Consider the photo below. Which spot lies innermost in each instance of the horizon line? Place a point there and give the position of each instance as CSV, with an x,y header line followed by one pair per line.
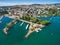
x,y
12,4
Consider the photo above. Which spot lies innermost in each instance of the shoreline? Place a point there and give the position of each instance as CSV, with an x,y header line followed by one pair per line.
x,y
34,27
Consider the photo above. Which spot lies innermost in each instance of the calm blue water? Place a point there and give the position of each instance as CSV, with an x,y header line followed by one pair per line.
x,y
50,35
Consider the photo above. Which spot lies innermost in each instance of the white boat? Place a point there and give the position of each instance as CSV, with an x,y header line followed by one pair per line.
x,y
27,26
21,24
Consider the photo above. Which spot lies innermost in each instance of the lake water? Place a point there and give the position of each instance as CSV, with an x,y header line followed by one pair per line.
x,y
50,35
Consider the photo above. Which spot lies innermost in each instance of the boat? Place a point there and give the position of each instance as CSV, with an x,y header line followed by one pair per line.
x,y
21,24
27,26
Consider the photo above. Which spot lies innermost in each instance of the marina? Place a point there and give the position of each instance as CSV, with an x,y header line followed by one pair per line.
x,y
29,22
35,38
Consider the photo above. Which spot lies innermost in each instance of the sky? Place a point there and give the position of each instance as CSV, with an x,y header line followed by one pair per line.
x,y
26,2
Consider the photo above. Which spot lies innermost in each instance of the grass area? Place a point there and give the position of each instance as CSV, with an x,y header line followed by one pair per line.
x,y
35,20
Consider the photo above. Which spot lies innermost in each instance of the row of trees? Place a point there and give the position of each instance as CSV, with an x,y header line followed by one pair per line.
x,y
3,12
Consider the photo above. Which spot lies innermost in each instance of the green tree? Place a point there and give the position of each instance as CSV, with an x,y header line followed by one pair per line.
x,y
45,22
32,19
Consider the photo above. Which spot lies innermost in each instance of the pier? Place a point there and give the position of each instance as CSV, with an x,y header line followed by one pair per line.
x,y
9,25
29,32
34,28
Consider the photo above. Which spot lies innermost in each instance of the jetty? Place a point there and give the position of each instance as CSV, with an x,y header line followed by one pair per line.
x,y
29,32
9,25
34,28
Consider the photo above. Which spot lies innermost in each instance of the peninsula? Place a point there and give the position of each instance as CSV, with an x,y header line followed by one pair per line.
x,y
29,14
35,24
